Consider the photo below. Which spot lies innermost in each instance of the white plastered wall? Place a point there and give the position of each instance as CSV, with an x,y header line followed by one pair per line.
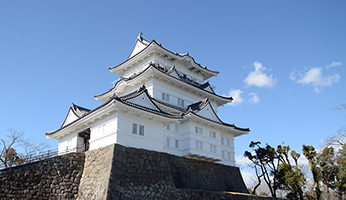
x,y
153,132
173,135
103,132
68,144
228,148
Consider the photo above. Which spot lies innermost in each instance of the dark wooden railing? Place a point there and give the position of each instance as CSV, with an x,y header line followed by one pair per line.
x,y
45,155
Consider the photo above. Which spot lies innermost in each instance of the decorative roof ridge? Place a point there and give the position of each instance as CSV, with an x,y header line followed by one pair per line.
x,y
130,58
153,41
195,107
79,110
141,40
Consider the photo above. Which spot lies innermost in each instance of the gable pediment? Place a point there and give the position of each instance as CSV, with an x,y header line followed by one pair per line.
x,y
139,46
208,112
144,101
71,116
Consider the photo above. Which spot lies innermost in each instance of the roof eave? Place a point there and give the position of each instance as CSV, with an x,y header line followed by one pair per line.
x,y
234,129
207,73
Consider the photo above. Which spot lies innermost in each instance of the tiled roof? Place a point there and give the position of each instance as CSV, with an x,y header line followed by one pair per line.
x,y
78,110
153,42
138,92
168,72
198,106
124,100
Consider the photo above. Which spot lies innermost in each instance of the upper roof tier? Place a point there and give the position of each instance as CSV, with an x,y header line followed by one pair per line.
x,y
169,75
144,49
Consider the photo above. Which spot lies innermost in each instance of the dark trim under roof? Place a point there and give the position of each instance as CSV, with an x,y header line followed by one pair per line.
x,y
124,101
166,73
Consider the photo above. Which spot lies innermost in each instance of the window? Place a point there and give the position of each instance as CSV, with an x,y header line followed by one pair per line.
x,y
213,148
199,145
165,96
228,142
222,141
176,143
180,102
212,134
134,128
168,127
176,128
141,130
168,142
226,155
198,130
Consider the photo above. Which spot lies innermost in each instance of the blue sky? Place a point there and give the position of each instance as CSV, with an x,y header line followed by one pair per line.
x,y
283,61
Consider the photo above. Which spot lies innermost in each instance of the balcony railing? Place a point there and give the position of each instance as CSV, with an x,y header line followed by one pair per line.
x,y
42,156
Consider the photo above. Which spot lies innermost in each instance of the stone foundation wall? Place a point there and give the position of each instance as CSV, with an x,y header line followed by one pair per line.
x,y
54,178
194,174
118,172
144,174
95,178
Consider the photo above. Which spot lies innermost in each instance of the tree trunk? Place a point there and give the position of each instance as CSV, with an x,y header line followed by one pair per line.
x,y
327,191
318,192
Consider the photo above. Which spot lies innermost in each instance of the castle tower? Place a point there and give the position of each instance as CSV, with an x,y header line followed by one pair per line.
x,y
162,102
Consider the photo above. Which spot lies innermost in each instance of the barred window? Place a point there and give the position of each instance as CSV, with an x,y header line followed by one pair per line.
x,y
141,130
134,128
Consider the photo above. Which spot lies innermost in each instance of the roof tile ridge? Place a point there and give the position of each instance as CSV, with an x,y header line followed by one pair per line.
x,y
138,92
123,79
168,105
160,112
134,94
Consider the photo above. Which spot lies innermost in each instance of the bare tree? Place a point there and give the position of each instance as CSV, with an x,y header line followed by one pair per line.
x,y
340,137
17,150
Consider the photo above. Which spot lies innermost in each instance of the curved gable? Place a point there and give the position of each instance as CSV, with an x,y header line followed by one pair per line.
x,y
74,113
144,100
71,116
139,46
208,112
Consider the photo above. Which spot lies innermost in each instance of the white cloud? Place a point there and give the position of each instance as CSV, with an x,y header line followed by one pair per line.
x,y
333,64
236,95
242,161
259,78
254,98
314,77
